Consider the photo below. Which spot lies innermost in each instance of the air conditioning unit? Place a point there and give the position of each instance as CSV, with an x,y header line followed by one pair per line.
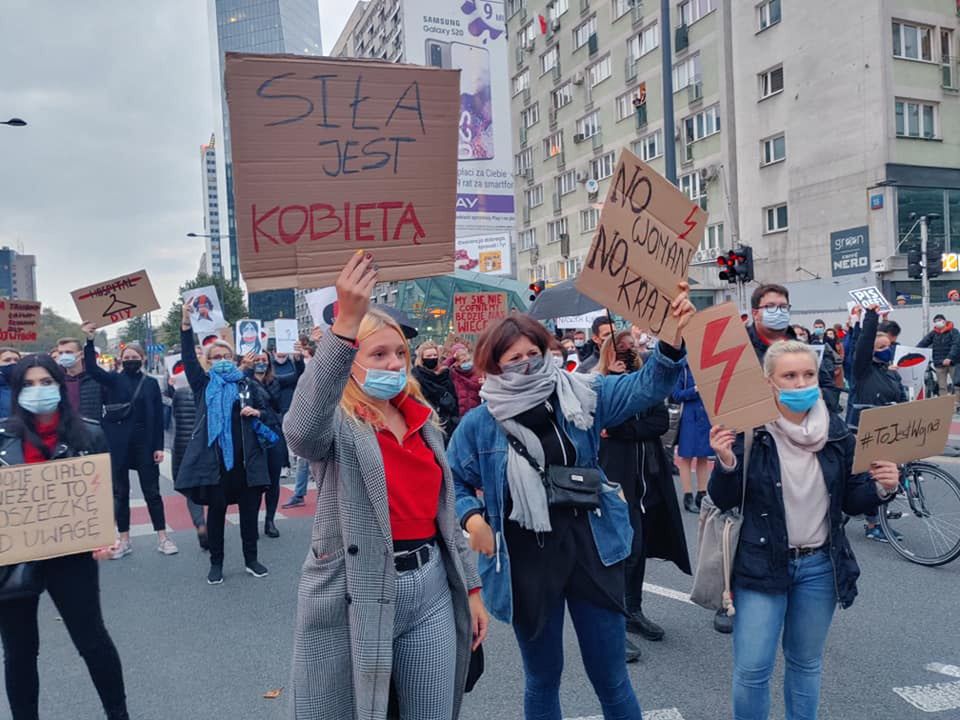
x,y
582,176
579,138
578,78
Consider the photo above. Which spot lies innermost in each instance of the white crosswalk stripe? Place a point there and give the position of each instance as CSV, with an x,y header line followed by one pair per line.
x,y
939,697
668,714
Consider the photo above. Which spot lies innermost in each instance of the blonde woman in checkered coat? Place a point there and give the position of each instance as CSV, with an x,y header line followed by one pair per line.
x,y
389,590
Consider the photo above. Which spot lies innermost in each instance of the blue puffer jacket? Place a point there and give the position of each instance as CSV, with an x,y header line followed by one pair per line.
x,y
478,459
762,556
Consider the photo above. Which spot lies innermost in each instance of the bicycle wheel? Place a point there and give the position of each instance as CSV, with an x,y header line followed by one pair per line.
x,y
922,522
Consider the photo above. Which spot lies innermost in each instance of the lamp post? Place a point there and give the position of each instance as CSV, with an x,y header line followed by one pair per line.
x,y
14,122
212,236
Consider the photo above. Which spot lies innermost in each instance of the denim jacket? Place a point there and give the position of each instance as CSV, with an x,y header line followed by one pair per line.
x,y
478,458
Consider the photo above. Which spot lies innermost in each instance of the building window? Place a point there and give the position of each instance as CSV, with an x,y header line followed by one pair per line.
x,y
775,218
555,229
773,150
600,71
693,10
916,119
590,125
589,219
534,196
694,186
530,116
536,273
768,13
553,145
567,182
563,95
521,82
549,60
912,42
771,82
558,8
567,269
686,72
625,106
643,42
583,31
527,239
523,161
712,242
603,166
622,7
649,146
702,124
528,34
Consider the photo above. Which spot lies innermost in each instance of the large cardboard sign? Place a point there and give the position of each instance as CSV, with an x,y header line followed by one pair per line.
x,y
206,313
116,300
904,432
19,320
647,235
472,312
334,155
865,297
724,364
55,508
912,363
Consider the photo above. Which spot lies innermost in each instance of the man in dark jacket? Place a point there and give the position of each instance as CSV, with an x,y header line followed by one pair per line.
x,y
85,394
944,339
8,358
770,307
602,329
184,418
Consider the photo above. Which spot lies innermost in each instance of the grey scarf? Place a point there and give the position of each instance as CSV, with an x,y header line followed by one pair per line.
x,y
512,394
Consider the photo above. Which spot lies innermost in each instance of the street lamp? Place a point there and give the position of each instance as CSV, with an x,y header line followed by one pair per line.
x,y
201,235
14,122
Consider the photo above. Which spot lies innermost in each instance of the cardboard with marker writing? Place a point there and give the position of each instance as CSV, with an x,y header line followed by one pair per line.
x,y
333,155
472,312
646,238
56,508
725,366
19,321
903,432
116,300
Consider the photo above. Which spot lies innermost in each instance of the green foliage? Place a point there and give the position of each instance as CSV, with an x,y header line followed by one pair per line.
x,y
53,327
231,300
134,331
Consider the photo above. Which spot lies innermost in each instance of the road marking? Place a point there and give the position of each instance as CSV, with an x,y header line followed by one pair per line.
x,y
668,593
669,714
932,698
949,670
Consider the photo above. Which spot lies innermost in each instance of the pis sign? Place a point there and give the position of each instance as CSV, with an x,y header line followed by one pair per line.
x,y
850,251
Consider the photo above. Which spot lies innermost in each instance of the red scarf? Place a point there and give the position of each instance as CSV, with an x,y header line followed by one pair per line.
x,y
48,436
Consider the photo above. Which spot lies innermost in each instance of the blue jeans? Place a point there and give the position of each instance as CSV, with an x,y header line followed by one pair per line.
x,y
303,478
601,634
803,615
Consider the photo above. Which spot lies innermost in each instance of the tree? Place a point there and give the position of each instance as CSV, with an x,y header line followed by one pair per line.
x,y
231,300
135,330
52,327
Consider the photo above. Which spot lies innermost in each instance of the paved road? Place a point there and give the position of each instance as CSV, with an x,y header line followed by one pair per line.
x,y
194,651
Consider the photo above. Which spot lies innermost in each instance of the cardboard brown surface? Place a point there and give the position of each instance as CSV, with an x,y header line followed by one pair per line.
x,y
647,235
335,155
472,312
725,366
903,432
55,508
19,320
116,300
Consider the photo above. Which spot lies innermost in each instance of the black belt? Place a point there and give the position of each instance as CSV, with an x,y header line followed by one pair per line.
x,y
414,559
796,553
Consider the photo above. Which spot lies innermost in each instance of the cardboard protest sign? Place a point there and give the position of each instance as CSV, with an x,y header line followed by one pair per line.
x,y
899,433
116,300
55,508
250,337
578,322
472,312
19,320
724,364
912,364
206,314
865,297
286,335
333,155
323,306
646,238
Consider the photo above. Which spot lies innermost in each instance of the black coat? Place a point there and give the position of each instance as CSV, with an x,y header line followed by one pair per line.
x,y
184,418
200,467
945,345
633,455
147,410
874,382
762,561
439,391
759,346
91,396
287,375
826,376
11,444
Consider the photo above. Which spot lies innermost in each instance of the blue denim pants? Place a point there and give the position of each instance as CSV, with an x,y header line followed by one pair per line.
x,y
303,478
802,616
601,634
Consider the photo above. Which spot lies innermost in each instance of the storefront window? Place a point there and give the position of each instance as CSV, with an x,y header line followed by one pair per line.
x,y
914,202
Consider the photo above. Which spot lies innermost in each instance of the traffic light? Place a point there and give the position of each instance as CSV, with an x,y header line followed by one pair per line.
x,y
744,263
914,266
934,257
536,288
727,265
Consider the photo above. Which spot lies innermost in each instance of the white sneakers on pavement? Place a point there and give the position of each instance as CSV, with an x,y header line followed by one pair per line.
x,y
121,550
167,547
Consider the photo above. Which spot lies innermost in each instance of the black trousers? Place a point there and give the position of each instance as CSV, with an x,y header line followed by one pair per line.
x,y
136,457
636,565
277,457
248,501
73,584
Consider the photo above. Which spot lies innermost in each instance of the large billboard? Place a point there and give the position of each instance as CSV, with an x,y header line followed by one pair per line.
x,y
471,36
484,254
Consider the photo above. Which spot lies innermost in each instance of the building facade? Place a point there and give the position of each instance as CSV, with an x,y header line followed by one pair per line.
x,y
212,256
18,275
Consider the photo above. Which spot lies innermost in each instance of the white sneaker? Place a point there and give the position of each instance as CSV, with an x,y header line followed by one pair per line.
x,y
121,550
166,547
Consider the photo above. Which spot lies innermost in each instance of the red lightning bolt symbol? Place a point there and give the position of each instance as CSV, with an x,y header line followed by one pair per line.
x,y
710,358
689,222
95,483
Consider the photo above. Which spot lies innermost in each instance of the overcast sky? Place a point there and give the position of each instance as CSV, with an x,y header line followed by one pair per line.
x,y
106,178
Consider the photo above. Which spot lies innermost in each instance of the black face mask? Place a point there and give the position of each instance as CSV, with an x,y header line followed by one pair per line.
x,y
132,366
430,363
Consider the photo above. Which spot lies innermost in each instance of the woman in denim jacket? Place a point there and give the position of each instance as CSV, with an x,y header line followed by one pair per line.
x,y
535,560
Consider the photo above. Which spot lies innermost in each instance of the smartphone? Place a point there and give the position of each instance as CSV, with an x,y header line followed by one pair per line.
x,y
476,102
438,54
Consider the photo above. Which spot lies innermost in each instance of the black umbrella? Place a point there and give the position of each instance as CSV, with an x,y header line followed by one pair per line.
x,y
562,300
401,318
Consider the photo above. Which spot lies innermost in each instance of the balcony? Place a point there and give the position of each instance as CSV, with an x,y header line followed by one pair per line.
x,y
682,38
695,92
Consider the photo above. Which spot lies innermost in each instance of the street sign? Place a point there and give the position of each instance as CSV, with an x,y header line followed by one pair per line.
x,y
850,251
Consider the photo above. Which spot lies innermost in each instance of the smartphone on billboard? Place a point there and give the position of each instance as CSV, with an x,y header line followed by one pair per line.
x,y
476,101
438,54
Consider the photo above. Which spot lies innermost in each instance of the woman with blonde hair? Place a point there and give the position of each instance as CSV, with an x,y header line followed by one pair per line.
x,y
389,589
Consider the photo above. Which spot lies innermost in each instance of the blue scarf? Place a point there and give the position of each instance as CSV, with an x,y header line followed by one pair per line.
x,y
222,393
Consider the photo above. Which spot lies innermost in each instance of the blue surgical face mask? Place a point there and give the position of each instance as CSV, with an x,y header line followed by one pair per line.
x,y
819,331
222,367
384,384
260,368
39,399
885,356
799,400
775,318
466,366
67,359
529,366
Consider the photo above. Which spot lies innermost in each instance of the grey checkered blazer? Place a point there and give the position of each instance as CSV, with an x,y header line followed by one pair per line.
x,y
343,645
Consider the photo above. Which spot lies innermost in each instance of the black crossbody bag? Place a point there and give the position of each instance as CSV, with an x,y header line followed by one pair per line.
x,y
115,412
571,487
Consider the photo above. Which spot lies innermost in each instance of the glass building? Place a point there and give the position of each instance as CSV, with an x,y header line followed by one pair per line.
x,y
259,26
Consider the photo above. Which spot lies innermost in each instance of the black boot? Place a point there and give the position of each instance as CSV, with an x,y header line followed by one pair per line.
x,y
689,504
639,624
699,499
633,652
270,529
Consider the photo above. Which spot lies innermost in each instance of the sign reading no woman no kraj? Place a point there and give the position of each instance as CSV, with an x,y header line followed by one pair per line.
x,y
331,156
647,235
55,508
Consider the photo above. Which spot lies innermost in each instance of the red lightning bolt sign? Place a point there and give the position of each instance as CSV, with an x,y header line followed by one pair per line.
x,y
709,357
689,222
